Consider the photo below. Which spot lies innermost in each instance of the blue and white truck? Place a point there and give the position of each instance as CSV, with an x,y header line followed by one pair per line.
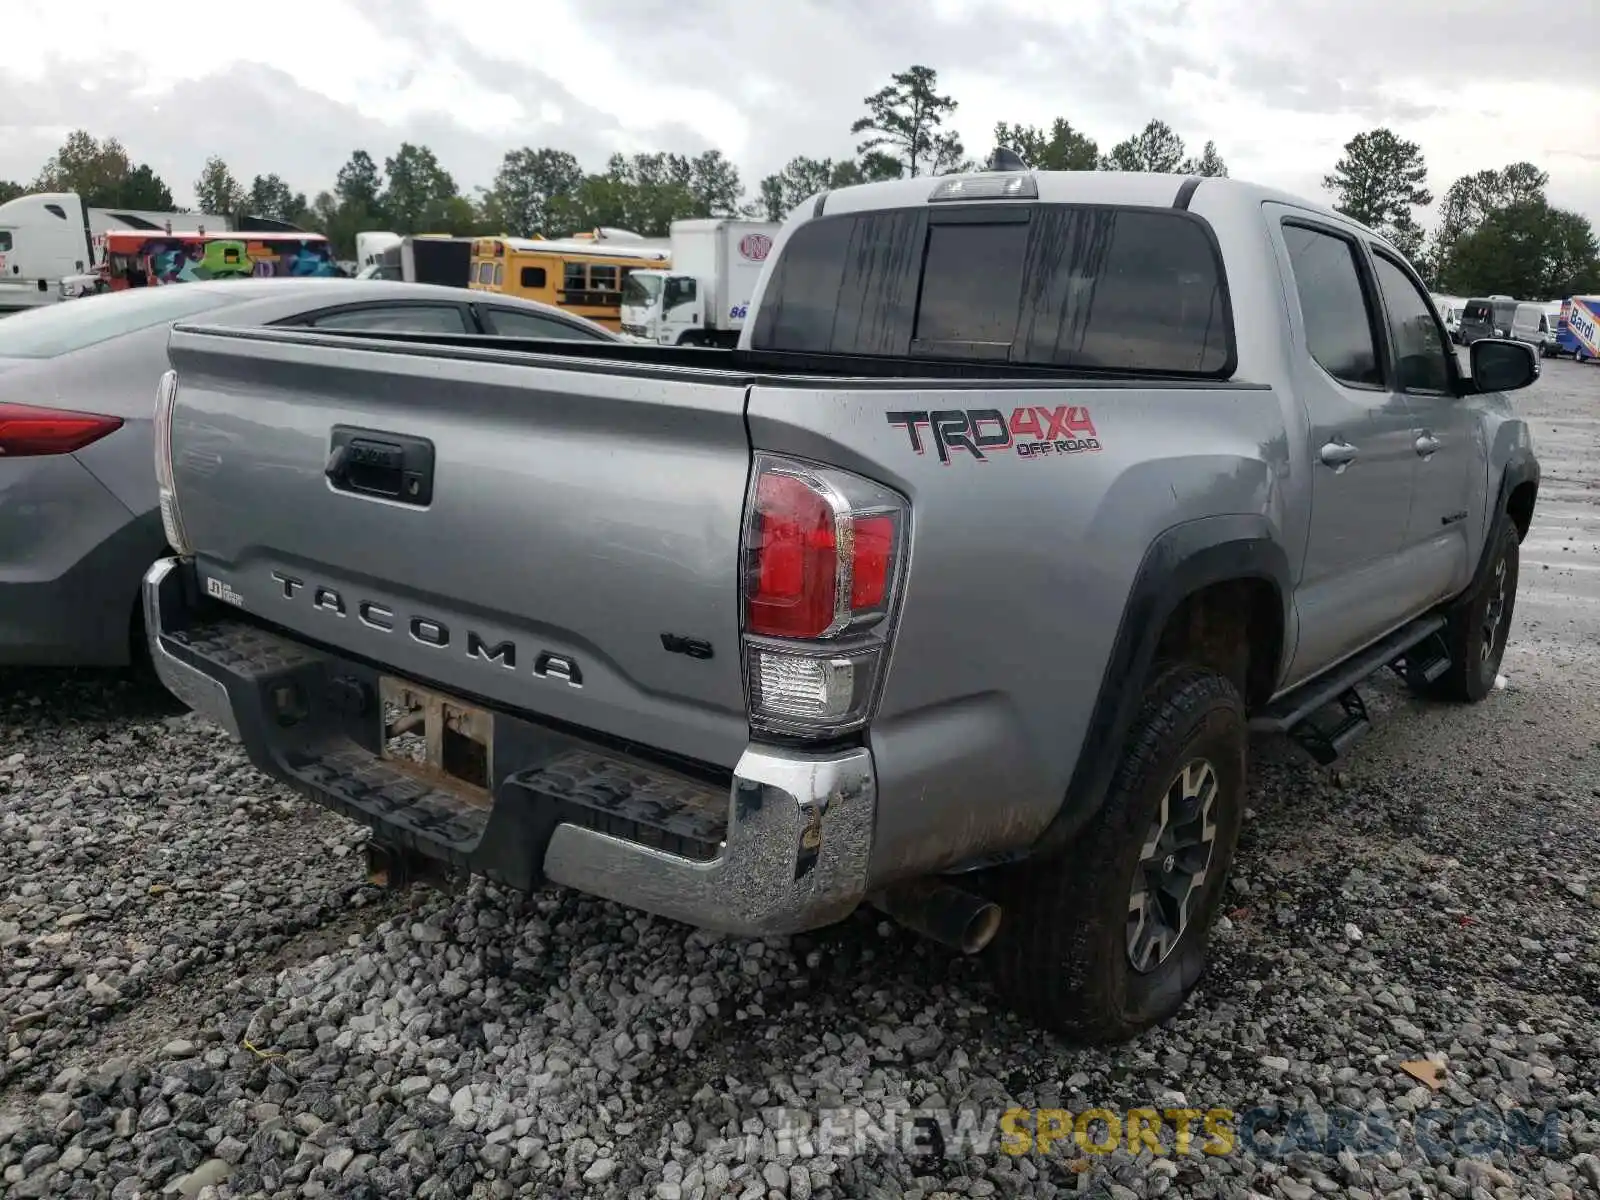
x,y
1579,331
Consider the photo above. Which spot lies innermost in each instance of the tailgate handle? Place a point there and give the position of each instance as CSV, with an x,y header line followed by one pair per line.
x,y
390,466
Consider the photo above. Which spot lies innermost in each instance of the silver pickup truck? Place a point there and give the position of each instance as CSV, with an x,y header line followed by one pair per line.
x,y
956,589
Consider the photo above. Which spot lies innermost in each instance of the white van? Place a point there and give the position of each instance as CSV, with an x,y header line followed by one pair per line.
x,y
1449,308
1528,324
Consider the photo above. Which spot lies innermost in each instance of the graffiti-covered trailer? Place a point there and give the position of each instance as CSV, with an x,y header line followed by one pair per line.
x,y
138,259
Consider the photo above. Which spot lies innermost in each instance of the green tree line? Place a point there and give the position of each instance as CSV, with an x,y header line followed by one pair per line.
x,y
1496,230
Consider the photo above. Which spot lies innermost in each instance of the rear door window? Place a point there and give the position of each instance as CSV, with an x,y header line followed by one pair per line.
x,y
398,318
1047,285
510,322
1340,332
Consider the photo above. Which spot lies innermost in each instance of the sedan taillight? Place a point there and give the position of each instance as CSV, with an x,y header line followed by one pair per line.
x,y
30,432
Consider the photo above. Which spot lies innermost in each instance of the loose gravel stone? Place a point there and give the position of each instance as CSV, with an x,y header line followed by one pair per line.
x,y
201,997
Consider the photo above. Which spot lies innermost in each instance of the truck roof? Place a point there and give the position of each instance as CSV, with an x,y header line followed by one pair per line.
x,y
1142,188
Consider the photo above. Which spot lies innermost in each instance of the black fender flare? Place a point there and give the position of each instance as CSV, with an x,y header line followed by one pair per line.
x,y
1521,467
1180,562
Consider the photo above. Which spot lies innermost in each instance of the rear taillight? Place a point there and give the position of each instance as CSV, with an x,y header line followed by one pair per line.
x,y
29,432
171,519
823,552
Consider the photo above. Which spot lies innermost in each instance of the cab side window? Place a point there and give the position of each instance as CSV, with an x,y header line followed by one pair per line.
x,y
1419,347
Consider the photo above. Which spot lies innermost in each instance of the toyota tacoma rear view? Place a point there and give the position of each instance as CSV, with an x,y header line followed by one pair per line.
x,y
956,589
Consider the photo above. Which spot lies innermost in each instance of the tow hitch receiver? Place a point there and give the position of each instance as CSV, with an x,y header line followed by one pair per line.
x,y
438,738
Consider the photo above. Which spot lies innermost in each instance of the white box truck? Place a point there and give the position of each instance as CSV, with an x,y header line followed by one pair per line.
x,y
701,299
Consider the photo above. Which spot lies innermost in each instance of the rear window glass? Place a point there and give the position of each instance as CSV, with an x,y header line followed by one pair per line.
x,y
1475,312
70,325
971,283
1064,285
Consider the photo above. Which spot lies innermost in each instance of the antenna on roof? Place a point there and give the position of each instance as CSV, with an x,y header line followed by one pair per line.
x,y
1005,158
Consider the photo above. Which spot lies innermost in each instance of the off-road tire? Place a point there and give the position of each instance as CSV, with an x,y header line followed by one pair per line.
x,y
1061,956
1472,674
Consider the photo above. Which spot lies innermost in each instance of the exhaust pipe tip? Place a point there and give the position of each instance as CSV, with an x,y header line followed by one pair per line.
x,y
981,928
942,912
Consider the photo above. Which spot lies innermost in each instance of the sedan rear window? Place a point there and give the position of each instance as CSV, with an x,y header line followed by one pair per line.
x,y
70,325
1077,286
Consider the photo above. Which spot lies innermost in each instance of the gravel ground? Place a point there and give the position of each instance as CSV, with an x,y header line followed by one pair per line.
x,y
201,997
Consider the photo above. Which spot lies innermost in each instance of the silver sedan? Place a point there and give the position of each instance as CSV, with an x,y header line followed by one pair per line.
x,y
79,522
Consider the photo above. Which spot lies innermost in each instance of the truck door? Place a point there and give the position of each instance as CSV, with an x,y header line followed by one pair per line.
x,y
1360,458
1443,504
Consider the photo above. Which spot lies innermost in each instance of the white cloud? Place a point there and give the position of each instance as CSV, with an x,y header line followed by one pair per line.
x,y
1278,87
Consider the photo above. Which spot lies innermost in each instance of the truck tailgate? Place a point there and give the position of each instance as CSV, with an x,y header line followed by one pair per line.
x,y
577,558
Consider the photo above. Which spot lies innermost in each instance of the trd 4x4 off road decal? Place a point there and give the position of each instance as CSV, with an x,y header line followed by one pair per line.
x,y
1035,432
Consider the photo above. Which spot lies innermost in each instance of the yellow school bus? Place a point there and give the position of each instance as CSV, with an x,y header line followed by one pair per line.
x,y
581,274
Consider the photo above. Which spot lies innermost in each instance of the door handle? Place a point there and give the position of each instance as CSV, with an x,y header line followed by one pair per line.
x,y
392,466
1426,444
1338,455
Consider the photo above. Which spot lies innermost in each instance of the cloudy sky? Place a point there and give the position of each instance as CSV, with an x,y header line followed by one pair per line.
x,y
295,85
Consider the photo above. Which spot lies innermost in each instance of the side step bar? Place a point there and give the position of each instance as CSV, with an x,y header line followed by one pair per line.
x,y
1416,652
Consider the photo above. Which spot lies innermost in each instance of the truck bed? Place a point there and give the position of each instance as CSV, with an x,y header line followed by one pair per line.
x,y
748,366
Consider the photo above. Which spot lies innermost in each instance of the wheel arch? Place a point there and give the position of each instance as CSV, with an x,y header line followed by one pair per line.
x,y
1190,573
1519,491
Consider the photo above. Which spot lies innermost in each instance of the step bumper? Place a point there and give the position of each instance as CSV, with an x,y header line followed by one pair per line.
x,y
782,846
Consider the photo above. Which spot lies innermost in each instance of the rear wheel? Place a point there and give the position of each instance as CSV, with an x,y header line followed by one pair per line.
x,y
1110,937
1480,621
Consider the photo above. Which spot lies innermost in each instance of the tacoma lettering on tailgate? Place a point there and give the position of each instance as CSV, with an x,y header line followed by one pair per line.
x,y
429,631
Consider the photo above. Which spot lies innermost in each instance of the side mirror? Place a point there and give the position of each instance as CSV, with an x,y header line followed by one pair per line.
x,y
1502,366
